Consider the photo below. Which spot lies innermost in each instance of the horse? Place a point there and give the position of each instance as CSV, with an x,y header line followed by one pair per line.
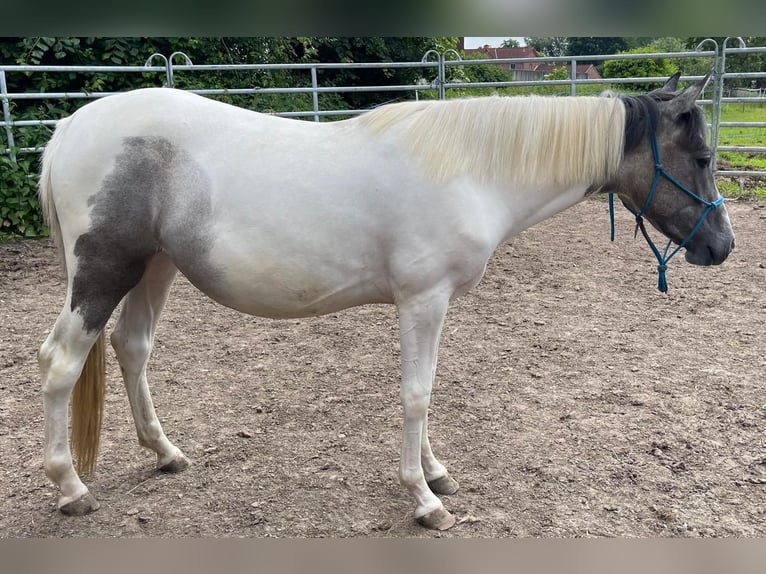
x,y
283,218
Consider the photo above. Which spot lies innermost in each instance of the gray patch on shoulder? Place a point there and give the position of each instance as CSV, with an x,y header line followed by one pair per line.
x,y
156,190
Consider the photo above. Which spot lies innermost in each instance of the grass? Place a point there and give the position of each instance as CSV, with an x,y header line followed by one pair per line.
x,y
743,136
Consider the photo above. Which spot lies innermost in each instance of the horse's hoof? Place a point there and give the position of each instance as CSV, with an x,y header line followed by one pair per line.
x,y
443,485
179,463
438,519
80,506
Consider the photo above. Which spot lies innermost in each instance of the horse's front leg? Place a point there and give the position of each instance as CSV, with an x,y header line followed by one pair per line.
x,y
420,323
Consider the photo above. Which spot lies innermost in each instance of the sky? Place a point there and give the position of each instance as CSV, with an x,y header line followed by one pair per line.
x,y
491,41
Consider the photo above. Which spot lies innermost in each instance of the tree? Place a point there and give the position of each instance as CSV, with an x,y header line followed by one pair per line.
x,y
639,68
738,62
510,43
19,209
687,66
485,72
558,74
595,45
374,49
222,50
552,46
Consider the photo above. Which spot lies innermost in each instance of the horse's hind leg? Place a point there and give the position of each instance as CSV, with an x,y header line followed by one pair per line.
x,y
61,358
132,340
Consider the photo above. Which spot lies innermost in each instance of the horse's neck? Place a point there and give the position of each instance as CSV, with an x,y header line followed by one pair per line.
x,y
511,211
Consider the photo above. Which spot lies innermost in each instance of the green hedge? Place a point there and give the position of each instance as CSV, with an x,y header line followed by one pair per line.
x,y
19,206
643,68
19,212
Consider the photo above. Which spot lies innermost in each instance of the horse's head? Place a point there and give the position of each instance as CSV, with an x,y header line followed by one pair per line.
x,y
666,173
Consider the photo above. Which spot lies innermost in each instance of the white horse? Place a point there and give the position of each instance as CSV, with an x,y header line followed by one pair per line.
x,y
284,218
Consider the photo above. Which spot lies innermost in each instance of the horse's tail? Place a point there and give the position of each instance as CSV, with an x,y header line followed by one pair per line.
x,y
45,188
88,394
88,408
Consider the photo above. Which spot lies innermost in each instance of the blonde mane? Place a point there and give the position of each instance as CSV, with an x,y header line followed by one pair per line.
x,y
520,140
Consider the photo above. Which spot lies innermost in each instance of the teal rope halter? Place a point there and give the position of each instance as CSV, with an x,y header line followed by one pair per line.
x,y
663,258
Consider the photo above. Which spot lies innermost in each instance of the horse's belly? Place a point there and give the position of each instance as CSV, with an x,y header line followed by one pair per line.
x,y
286,289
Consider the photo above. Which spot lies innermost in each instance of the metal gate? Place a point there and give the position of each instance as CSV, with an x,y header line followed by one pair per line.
x,y
433,63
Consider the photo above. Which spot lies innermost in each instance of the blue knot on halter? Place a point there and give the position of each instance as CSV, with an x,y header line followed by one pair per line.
x,y
662,282
663,258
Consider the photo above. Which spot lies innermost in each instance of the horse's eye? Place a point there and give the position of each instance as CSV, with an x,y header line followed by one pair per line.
x,y
703,162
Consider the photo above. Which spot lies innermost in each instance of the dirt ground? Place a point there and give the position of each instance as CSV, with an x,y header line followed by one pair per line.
x,y
572,400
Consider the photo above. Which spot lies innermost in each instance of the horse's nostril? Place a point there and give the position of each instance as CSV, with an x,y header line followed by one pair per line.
x,y
731,247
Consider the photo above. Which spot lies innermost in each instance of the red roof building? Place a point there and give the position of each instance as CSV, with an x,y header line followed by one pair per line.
x,y
528,71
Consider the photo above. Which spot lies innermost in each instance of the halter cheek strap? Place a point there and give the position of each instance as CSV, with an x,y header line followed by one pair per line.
x,y
663,258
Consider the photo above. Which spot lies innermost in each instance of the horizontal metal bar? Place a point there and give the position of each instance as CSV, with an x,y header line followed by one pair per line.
x,y
59,95
25,150
317,65
312,113
218,67
581,59
310,90
25,123
755,50
229,91
744,149
743,124
757,100
730,172
577,82
744,75
82,69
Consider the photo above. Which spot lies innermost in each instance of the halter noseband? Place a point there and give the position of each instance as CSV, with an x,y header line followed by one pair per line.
x,y
663,258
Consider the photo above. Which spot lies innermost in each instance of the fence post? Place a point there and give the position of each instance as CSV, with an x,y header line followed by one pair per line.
x,y
169,65
715,98
314,92
573,78
7,116
720,96
441,76
439,81
168,73
443,65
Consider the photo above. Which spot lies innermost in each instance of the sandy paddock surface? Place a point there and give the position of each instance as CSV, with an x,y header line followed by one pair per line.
x,y
572,399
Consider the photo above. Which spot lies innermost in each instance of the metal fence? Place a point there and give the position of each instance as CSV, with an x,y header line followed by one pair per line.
x,y
439,78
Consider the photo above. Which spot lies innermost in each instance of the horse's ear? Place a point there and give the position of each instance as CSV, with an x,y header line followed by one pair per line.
x,y
687,99
671,85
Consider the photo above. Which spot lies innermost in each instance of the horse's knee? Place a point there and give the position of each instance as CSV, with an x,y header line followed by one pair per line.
x,y
415,403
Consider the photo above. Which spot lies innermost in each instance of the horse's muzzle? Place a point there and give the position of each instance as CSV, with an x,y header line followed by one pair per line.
x,y
713,253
